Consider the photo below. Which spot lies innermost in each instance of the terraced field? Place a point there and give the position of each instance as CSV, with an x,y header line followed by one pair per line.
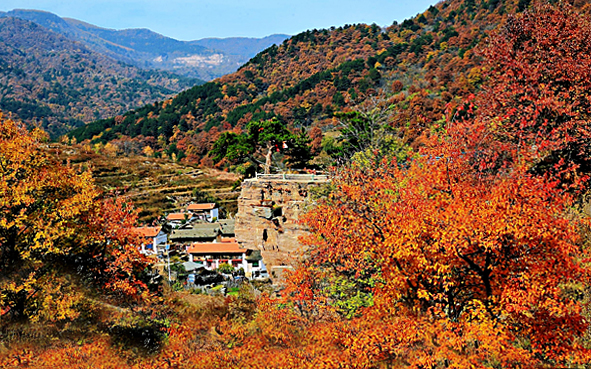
x,y
156,186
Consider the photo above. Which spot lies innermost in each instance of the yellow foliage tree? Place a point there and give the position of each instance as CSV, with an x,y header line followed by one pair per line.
x,y
53,225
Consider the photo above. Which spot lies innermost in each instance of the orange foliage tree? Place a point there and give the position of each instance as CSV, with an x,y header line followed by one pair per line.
x,y
471,267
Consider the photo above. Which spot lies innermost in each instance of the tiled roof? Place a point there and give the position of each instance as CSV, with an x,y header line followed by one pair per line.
x,y
190,266
147,231
193,234
228,239
216,248
208,206
255,255
179,216
227,226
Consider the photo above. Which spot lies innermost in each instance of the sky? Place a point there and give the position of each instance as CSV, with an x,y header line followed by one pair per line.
x,y
190,20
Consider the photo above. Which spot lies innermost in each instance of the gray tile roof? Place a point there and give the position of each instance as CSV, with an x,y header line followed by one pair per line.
x,y
203,231
227,227
180,235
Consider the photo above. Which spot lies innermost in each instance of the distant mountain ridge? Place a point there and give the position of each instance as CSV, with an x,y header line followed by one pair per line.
x,y
246,46
48,79
205,59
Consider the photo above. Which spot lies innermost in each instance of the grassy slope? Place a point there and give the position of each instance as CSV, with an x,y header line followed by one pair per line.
x,y
156,186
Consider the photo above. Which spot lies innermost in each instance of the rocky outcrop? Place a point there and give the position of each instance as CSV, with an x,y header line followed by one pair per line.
x,y
269,209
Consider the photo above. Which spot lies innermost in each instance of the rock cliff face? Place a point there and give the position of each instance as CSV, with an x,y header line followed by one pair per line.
x,y
268,216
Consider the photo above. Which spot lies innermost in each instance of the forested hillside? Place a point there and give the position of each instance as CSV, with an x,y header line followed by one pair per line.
x,y
422,66
50,80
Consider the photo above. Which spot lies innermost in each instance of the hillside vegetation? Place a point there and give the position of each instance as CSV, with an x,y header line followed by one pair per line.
x,y
422,67
155,186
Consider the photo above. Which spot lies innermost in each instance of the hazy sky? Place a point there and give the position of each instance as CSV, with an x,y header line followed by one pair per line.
x,y
190,20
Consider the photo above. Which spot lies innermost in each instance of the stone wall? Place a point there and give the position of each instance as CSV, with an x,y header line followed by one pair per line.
x,y
268,214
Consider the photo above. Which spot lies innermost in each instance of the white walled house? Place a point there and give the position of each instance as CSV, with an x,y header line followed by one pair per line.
x,y
212,254
153,236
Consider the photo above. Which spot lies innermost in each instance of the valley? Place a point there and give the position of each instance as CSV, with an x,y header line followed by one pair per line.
x,y
204,59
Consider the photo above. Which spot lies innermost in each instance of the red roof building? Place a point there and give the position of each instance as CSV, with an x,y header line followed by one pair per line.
x,y
201,207
148,232
179,217
216,248
153,236
213,254
207,211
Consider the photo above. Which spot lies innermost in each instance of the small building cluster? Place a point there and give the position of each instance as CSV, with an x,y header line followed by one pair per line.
x,y
202,241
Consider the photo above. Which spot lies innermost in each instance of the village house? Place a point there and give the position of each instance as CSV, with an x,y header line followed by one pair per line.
x,y
153,236
215,253
175,220
207,212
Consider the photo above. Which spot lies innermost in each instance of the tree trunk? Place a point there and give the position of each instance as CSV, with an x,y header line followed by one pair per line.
x,y
268,159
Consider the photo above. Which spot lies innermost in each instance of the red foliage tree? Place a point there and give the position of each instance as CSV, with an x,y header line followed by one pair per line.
x,y
536,100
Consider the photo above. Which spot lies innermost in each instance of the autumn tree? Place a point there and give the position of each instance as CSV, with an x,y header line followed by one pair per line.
x,y
316,135
56,229
472,266
536,99
477,263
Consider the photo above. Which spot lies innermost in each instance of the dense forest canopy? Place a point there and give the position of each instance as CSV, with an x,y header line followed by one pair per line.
x,y
59,233
423,66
